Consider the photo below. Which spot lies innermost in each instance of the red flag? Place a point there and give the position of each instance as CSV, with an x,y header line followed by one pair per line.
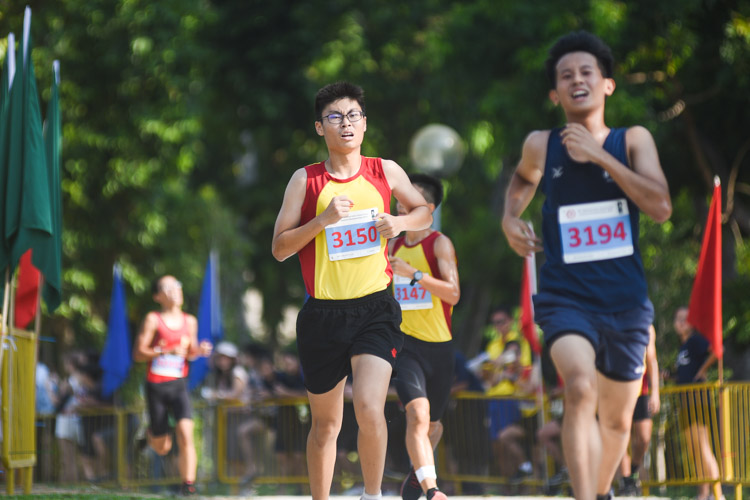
x,y
704,310
527,307
27,292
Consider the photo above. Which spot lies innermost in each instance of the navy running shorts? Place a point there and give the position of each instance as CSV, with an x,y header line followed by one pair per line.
x,y
619,339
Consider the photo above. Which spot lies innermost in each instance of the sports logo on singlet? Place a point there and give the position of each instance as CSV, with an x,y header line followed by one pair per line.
x,y
353,236
595,231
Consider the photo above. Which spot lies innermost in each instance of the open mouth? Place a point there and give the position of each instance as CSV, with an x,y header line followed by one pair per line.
x,y
580,94
347,135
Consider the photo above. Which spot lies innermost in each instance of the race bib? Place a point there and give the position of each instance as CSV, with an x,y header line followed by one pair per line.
x,y
168,365
595,231
410,297
353,236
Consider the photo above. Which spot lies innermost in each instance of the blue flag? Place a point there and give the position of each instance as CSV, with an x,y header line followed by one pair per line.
x,y
116,357
209,318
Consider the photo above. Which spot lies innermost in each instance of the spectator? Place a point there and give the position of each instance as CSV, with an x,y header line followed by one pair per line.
x,y
230,378
46,400
693,361
506,429
548,436
257,361
293,421
466,428
68,423
503,331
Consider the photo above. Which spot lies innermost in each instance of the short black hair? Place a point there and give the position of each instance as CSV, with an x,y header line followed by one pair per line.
x,y
156,285
501,308
432,187
579,41
335,91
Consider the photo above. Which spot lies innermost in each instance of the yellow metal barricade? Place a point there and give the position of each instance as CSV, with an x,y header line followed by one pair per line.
x,y
265,442
18,399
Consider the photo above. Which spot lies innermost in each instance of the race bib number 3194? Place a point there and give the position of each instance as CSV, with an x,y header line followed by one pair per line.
x,y
353,236
595,231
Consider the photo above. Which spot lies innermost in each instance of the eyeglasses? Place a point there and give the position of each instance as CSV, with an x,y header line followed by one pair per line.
x,y
175,285
336,118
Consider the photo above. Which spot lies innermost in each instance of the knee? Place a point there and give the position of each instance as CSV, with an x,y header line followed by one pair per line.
x,y
161,445
580,391
619,424
419,416
324,430
369,415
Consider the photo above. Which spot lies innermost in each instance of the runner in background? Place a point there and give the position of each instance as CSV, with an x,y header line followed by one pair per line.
x,y
425,283
168,339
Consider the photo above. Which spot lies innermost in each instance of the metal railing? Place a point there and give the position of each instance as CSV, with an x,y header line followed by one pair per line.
x,y
265,443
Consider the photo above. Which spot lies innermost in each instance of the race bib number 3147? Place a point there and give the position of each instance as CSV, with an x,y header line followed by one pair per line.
x,y
595,231
353,236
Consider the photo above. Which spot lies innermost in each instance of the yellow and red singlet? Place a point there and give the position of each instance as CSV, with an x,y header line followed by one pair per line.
x,y
424,316
348,259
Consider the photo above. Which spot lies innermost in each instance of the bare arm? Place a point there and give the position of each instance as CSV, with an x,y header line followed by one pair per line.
x,y
195,349
418,215
521,189
446,289
644,184
288,236
652,369
143,350
700,375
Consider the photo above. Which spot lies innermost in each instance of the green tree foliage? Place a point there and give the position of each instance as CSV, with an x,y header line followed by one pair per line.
x,y
183,121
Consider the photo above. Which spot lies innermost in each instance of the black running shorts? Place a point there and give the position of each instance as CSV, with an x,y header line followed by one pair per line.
x,y
426,370
165,399
330,332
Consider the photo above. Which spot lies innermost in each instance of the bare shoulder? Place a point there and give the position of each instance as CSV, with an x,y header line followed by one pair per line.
x,y
444,245
151,318
192,320
391,168
638,135
533,155
298,177
396,176
536,142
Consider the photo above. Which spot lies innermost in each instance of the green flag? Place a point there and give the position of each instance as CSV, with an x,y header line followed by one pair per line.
x,y
28,214
50,258
9,68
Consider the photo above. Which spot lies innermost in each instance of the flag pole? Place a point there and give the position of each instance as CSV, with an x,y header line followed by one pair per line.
x,y
530,269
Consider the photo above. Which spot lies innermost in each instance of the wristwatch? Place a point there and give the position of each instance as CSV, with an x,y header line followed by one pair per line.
x,y
417,276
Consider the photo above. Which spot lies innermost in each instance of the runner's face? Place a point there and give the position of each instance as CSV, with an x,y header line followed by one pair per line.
x,y
580,85
347,135
170,292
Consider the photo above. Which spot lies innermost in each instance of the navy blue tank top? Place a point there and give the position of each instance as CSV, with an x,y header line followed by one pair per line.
x,y
604,286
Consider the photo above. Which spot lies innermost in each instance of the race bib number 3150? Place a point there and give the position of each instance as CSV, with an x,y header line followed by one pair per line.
x,y
353,236
595,231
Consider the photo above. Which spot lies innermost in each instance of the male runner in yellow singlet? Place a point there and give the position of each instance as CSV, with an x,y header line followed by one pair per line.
x,y
336,217
426,286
